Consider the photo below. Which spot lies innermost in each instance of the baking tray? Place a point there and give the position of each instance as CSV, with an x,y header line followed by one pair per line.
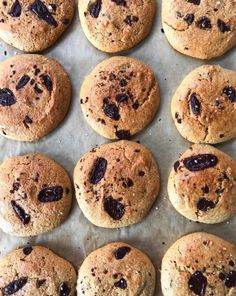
x,y
77,237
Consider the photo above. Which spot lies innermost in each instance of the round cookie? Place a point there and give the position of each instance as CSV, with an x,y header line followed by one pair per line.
x,y
116,269
199,264
201,29
202,185
116,25
120,97
35,195
204,105
116,184
33,26
35,94
36,271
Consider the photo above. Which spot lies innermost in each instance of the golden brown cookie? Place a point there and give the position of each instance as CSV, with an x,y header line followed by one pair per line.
x,y
204,105
35,195
116,184
198,28
116,269
34,25
202,185
199,264
120,97
35,94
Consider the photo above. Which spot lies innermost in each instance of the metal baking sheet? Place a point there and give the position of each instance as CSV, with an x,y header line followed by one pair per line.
x,y
77,237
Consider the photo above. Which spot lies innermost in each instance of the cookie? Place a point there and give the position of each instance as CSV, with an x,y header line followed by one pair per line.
x,y
202,185
34,25
116,25
199,264
116,184
116,269
36,271
120,97
35,195
200,29
204,105
35,94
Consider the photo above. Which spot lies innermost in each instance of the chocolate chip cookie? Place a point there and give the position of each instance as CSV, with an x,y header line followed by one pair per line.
x,y
116,184
35,94
120,97
202,185
34,25
204,105
199,264
36,271
201,29
116,269
35,195
116,25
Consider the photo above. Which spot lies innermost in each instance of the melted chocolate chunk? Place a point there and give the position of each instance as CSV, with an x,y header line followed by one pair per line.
x,y
37,89
50,194
222,26
47,82
222,276
189,18
112,111
200,162
121,98
141,173
230,280
39,283
122,284
204,23
198,283
7,97
15,286
114,208
230,92
130,19
123,134
27,250
40,9
94,8
98,171
20,212
15,10
195,2
27,121
205,189
176,166
123,82
135,105
204,205
120,2
22,82
195,104
64,290
128,183
121,252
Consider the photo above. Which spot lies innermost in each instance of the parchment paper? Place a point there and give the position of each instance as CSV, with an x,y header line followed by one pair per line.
x,y
77,237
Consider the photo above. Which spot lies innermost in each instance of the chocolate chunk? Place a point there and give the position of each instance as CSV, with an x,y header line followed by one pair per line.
x,y
189,18
121,252
123,134
27,250
20,212
198,283
135,105
195,2
130,19
15,187
112,77
114,208
176,166
122,284
53,6
39,283
47,82
50,194
200,162
123,82
98,171
141,173
15,10
222,26
40,9
231,263
128,183
204,205
120,2
94,8
204,23
230,92
222,276
230,281
15,286
27,121
22,82
112,111
37,89
7,97
195,104
120,98
205,189
64,290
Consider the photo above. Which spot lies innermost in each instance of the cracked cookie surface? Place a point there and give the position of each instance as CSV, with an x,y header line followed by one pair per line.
x,y
204,105
113,26
116,269
36,271
199,28
116,184
120,97
202,185
199,264
35,94
35,195
34,25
